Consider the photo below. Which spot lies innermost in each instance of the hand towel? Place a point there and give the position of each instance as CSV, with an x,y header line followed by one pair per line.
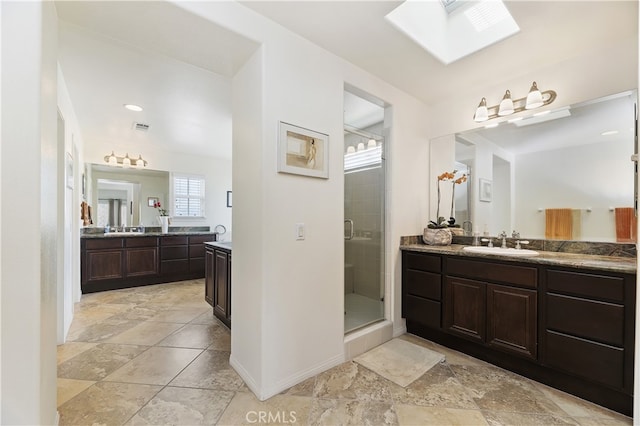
x,y
626,225
558,224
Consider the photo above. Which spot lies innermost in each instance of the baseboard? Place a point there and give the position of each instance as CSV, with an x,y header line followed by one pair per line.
x,y
288,381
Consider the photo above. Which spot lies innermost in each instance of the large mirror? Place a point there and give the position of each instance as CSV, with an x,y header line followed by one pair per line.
x,y
572,164
124,197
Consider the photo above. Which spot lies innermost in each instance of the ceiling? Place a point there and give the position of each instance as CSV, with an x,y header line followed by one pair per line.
x,y
161,57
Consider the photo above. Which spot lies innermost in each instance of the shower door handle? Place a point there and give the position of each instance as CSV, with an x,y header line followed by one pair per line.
x,y
350,236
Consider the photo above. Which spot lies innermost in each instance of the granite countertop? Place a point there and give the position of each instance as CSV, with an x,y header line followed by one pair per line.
x,y
146,234
573,260
227,245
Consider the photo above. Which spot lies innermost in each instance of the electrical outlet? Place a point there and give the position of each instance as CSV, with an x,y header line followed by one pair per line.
x,y
299,231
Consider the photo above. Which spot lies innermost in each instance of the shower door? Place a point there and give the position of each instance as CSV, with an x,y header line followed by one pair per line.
x,y
364,208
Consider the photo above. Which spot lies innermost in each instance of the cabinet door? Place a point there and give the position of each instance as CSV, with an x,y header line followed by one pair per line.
x,y
141,261
104,265
208,276
512,320
220,300
464,308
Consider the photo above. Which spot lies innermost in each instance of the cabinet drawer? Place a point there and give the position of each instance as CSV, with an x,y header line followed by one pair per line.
x,y
591,319
196,250
106,243
423,284
593,361
422,262
199,239
141,242
587,285
177,252
174,266
510,274
174,241
423,311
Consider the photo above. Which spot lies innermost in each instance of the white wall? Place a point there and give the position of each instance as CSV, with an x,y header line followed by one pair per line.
x,y
29,264
291,292
538,187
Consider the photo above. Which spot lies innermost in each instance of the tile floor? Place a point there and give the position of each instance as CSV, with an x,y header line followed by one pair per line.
x,y
155,355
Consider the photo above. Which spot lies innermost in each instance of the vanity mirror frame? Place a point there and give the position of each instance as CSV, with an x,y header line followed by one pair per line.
x,y
597,215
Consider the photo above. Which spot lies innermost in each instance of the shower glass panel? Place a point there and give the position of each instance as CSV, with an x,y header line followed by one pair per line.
x,y
364,209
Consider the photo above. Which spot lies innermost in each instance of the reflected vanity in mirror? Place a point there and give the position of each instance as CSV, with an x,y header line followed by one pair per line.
x,y
121,196
561,174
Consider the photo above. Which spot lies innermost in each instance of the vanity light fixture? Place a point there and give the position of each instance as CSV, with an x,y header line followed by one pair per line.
x,y
133,107
535,99
125,161
372,143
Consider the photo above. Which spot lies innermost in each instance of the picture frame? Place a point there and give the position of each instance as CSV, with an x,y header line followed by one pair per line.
x,y
152,201
486,190
229,198
302,151
69,170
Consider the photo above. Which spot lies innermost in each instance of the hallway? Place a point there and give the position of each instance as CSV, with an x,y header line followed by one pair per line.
x,y
156,355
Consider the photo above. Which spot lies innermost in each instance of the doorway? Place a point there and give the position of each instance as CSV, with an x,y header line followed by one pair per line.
x,y
364,209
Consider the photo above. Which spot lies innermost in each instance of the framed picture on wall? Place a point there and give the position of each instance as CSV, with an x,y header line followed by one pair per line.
x,y
486,190
302,151
229,198
152,201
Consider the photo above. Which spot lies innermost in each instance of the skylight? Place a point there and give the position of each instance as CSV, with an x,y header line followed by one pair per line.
x,y
452,36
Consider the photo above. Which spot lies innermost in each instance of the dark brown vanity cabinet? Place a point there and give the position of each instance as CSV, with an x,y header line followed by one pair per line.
x,y
501,316
588,327
218,281
571,328
114,262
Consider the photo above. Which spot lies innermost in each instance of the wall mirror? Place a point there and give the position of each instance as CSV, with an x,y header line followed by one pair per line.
x,y
121,196
575,157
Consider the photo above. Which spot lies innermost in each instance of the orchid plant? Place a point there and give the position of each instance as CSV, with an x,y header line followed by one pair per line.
x,y
441,222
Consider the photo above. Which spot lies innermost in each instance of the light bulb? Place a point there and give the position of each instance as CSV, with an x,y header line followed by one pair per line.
x,y
534,98
506,106
113,161
371,144
351,149
482,113
140,162
126,161
360,147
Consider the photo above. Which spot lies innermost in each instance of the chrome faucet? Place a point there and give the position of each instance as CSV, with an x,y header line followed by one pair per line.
x,y
515,234
503,235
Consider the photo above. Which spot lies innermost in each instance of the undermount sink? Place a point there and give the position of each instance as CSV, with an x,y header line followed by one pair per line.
x,y
120,234
500,251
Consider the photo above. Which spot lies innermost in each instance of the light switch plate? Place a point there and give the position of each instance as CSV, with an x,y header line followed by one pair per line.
x,y
300,231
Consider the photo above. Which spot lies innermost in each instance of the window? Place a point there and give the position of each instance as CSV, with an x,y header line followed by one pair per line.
x,y
188,195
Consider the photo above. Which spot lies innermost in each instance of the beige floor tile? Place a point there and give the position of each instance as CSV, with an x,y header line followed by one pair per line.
x,y
71,349
183,406
180,316
146,333
100,331
106,404
221,340
438,387
99,361
416,415
352,381
246,409
526,419
351,412
156,366
595,421
68,388
211,370
207,318
304,388
495,389
579,408
191,336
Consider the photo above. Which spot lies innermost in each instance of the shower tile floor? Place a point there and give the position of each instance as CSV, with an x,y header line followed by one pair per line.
x,y
157,355
361,311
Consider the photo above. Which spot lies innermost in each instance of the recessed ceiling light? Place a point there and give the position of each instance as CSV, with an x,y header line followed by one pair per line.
x,y
609,133
133,107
